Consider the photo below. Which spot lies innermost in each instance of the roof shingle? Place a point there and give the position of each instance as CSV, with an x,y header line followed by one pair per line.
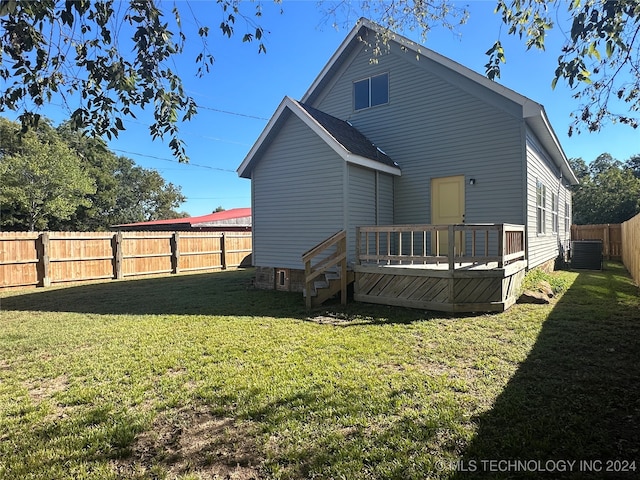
x,y
348,136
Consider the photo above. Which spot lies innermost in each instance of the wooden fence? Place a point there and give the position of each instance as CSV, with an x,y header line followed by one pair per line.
x,y
631,247
610,234
45,258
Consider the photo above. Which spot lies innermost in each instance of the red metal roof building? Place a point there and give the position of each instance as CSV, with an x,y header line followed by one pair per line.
x,y
234,220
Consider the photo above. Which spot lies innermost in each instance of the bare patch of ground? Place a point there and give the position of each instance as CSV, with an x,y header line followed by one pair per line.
x,y
331,318
48,387
194,442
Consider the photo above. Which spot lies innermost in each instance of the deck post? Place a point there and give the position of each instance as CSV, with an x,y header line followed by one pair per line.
x,y
358,247
307,284
451,247
451,244
342,248
501,245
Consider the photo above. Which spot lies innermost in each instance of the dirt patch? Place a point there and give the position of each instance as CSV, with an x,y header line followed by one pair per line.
x,y
47,387
195,442
331,318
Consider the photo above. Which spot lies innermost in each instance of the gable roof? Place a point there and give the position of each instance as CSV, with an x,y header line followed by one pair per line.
x,y
341,136
533,112
237,217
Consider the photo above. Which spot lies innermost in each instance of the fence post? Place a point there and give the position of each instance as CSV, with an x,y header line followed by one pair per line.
x,y
42,249
607,246
117,255
175,252
223,248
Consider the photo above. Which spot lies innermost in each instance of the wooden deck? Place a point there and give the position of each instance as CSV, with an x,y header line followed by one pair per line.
x,y
481,271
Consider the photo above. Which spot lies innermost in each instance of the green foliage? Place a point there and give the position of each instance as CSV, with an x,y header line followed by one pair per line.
x,y
118,60
42,178
599,59
116,56
559,281
142,194
609,190
121,192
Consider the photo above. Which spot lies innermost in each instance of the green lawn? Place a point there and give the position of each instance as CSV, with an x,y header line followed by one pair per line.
x,y
203,376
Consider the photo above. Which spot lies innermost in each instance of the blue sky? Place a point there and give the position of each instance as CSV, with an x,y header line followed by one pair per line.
x,y
250,86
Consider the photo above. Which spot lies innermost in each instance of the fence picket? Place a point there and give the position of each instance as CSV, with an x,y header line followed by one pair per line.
x,y
45,258
631,247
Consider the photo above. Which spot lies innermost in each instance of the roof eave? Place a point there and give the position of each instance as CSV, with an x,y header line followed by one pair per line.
x,y
547,135
372,164
244,169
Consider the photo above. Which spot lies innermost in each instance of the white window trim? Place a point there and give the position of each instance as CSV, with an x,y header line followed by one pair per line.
x,y
555,225
541,224
353,93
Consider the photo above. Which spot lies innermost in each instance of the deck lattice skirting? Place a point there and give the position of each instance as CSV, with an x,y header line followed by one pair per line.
x,y
481,270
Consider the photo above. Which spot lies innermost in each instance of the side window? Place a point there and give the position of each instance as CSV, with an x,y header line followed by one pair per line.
x,y
541,193
380,89
567,218
371,91
554,212
361,94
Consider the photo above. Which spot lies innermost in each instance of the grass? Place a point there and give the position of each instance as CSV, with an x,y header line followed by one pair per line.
x,y
203,376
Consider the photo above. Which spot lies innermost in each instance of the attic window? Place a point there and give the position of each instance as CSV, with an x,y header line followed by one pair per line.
x,y
371,91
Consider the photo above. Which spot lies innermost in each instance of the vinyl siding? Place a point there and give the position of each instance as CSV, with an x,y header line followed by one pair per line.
x,y
438,124
370,202
297,196
385,200
361,197
543,247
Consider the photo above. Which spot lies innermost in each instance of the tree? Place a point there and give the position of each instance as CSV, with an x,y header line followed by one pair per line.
x,y
608,191
126,192
219,209
142,195
633,164
100,163
43,180
120,59
123,191
117,59
600,59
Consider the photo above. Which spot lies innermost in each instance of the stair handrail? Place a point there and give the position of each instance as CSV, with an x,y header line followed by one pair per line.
x,y
339,240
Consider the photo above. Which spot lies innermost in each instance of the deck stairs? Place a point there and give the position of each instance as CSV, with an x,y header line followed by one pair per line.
x,y
327,286
325,267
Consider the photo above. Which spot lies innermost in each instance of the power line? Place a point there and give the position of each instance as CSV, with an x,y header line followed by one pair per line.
x,y
204,107
231,113
173,161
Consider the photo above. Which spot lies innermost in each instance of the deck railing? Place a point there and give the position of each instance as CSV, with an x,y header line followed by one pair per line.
x,y
326,262
441,244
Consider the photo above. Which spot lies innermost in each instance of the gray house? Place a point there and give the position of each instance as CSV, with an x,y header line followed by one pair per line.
x,y
404,137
